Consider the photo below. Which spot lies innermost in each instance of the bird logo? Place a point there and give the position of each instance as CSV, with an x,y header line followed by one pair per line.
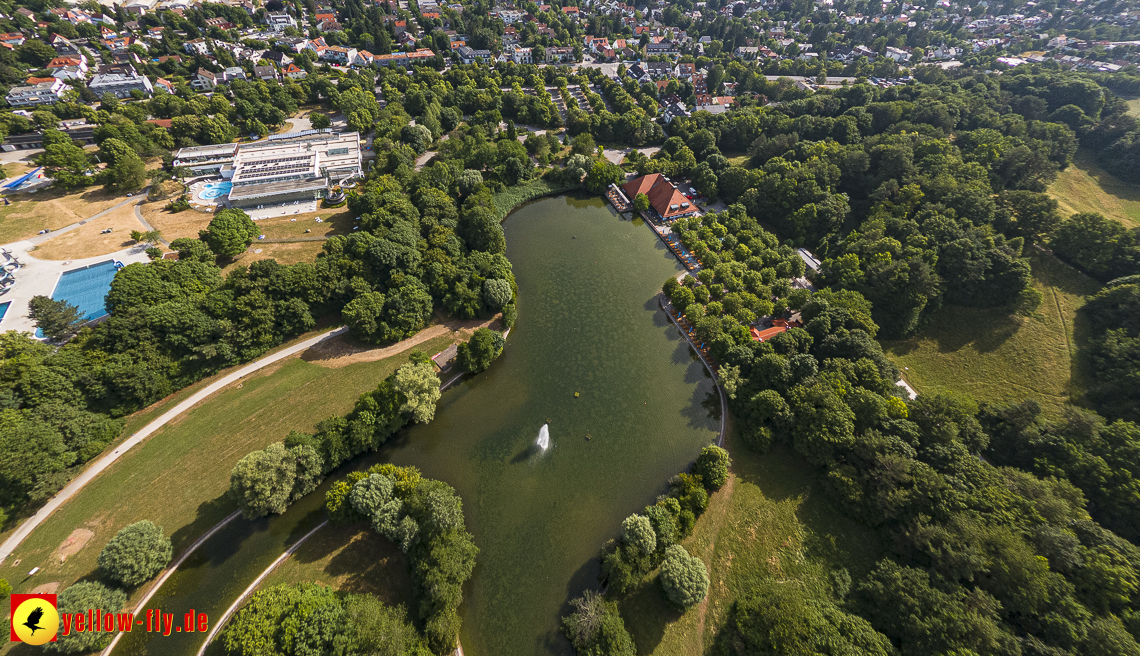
x,y
35,619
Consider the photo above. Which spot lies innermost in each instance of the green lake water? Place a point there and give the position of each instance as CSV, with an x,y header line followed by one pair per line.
x,y
588,323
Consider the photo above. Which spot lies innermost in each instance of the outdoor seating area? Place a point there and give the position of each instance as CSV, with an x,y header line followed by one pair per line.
x,y
618,199
683,254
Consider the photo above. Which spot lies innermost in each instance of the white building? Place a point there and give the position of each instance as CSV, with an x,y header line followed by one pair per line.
x,y
121,85
44,93
278,22
299,166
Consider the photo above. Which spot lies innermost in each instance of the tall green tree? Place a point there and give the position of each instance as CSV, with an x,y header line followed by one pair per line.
x,y
230,232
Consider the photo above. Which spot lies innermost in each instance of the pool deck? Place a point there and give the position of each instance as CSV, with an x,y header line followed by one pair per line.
x,y
39,277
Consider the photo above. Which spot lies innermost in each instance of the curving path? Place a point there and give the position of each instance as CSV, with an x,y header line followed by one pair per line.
x,y
220,622
170,571
103,463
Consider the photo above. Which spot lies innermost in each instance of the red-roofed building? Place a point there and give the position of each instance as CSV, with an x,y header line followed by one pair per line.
x,y
663,196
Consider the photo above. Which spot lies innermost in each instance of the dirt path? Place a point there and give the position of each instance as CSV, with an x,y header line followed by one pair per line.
x,y
345,351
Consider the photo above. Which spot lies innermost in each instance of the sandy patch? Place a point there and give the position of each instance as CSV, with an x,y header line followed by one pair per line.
x,y
345,350
88,240
46,588
74,542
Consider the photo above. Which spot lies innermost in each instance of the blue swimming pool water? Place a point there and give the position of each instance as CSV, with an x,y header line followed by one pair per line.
x,y
85,288
4,308
214,190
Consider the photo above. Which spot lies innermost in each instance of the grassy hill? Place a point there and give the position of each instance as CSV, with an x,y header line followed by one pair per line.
x,y
1086,187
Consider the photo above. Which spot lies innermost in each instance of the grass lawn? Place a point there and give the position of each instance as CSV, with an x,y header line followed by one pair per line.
x,y
51,209
1086,187
764,523
352,559
335,221
998,357
178,478
1134,107
738,159
186,223
88,241
287,253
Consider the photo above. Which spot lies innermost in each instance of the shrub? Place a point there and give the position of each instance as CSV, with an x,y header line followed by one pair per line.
x,y
136,554
712,466
683,578
482,349
497,293
78,599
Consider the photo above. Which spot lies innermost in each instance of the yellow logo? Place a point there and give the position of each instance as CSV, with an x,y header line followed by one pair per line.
x,y
35,621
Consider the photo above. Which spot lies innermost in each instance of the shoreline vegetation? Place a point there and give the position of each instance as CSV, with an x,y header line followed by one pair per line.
x,y
512,198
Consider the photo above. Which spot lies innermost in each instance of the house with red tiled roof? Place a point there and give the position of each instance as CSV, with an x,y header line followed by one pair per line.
x,y
663,196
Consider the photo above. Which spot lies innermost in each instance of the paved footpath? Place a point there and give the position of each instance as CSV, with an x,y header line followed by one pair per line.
x,y
103,463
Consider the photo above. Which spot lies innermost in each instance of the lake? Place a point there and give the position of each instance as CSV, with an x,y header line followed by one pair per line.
x,y
588,324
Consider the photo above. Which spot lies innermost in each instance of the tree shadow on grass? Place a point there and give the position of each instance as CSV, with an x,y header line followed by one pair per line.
x,y
781,474
647,614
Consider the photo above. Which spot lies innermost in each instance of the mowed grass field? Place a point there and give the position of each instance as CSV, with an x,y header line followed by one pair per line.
x,y
88,240
29,213
1085,187
997,357
769,521
178,478
350,559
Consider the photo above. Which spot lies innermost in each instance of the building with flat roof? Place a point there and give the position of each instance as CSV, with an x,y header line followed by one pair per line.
x,y
281,168
47,92
663,196
121,85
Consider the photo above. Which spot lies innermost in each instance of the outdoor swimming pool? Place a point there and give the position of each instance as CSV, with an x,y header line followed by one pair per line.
x,y
215,190
85,288
4,309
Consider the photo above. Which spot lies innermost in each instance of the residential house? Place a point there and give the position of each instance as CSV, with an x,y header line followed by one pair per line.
x,y
41,93
658,70
79,61
165,86
139,7
278,22
294,72
897,54
276,57
197,47
121,85
522,55
559,54
266,73
13,39
338,54
665,47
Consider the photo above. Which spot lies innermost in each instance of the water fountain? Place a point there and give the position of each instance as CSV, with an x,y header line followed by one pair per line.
x,y
543,441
